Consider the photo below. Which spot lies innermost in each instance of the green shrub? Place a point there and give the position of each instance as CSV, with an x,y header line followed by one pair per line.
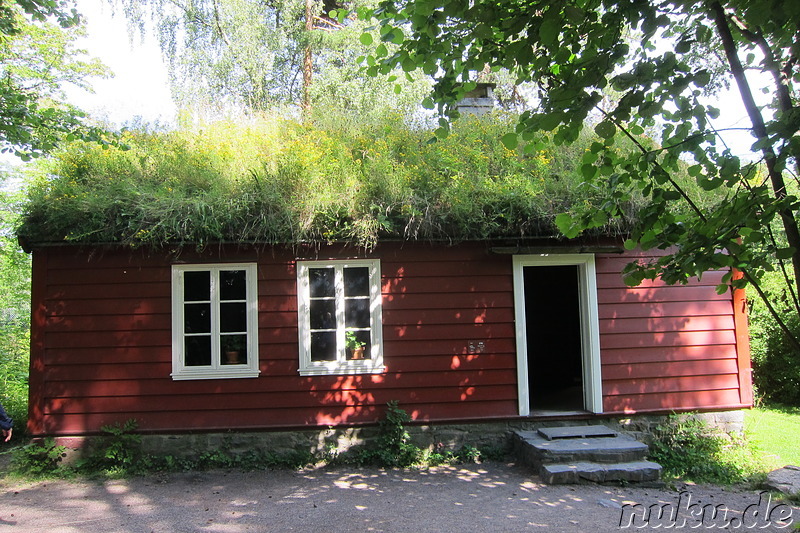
x,y
776,361
687,448
39,458
118,450
15,298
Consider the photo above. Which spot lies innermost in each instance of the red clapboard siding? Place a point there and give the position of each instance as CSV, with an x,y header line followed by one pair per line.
x,y
446,284
667,353
101,342
663,324
109,307
683,384
671,401
285,400
108,344
274,385
697,367
665,309
244,419
665,347
403,317
615,279
676,338
650,295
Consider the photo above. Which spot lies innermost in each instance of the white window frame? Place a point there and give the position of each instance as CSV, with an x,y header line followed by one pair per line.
x,y
371,365
217,370
590,325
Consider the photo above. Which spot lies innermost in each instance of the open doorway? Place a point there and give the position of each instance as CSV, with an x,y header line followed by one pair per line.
x,y
553,319
558,344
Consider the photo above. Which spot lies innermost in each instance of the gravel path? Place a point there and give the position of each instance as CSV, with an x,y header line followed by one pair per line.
x,y
491,497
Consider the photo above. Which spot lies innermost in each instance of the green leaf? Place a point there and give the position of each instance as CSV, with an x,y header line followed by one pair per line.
x,y
549,122
548,32
605,129
629,244
574,14
784,253
588,171
408,64
683,47
564,223
510,140
366,39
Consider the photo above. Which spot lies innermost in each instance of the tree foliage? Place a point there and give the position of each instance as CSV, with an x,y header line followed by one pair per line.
x,y
647,53
249,54
37,57
15,297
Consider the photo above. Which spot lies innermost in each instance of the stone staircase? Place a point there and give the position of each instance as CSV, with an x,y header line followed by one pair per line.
x,y
580,454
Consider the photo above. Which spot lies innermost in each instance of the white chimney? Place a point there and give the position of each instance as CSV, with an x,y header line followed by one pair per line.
x,y
478,101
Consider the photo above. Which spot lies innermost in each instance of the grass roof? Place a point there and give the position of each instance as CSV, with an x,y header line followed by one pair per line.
x,y
273,180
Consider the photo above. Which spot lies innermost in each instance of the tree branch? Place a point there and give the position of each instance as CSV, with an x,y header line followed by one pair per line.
x,y
760,131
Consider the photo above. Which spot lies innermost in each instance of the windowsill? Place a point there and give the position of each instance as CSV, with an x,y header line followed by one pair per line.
x,y
216,374
342,370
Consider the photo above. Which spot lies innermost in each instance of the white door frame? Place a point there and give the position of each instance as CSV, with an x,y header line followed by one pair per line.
x,y
590,326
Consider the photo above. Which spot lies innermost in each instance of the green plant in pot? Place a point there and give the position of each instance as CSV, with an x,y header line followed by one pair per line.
x,y
235,350
355,346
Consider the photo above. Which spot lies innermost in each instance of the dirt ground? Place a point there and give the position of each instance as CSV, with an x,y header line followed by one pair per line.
x,y
492,497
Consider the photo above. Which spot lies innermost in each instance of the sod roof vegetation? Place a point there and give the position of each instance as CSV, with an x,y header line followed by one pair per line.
x,y
274,180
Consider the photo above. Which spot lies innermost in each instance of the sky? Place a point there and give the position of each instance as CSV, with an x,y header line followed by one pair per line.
x,y
140,87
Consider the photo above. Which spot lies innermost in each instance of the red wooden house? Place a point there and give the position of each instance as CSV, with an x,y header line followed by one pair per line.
x,y
263,337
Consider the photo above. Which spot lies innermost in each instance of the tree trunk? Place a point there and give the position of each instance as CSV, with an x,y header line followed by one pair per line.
x,y
308,60
760,131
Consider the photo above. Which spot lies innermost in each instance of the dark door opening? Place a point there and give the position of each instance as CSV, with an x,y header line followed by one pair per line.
x,y
553,328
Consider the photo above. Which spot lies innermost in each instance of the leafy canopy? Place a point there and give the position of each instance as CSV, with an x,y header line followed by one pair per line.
x,y
37,58
624,68
250,55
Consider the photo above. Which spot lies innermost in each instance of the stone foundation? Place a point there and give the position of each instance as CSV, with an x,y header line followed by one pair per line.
x,y
451,437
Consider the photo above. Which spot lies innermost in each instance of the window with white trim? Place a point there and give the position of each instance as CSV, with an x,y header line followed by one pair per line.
x,y
214,321
339,317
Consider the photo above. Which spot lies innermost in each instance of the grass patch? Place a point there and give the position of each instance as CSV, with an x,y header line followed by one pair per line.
x,y
271,180
689,449
775,430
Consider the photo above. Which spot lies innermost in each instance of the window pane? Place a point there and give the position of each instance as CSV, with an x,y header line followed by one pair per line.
x,y
323,314
323,346
321,282
198,351
196,286
232,285
234,349
363,338
356,313
356,281
197,318
233,317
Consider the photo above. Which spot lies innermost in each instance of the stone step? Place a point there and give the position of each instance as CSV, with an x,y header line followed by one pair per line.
x,y
575,432
581,454
583,472
536,449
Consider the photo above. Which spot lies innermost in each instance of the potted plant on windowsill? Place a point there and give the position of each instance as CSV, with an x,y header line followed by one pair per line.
x,y
233,351
355,346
